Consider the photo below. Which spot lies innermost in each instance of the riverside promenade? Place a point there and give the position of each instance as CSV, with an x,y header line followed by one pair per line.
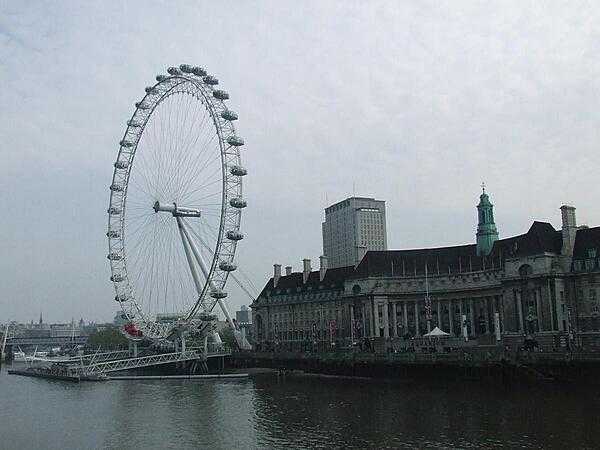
x,y
486,363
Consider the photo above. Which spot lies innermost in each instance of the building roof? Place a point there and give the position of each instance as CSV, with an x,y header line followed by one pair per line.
x,y
541,238
333,277
586,239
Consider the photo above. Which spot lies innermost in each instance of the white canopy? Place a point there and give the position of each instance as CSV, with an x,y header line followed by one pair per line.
x,y
436,332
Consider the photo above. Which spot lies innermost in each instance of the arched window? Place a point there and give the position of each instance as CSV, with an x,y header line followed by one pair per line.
x,y
525,270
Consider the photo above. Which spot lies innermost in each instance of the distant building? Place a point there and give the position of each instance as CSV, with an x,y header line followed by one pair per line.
x,y
351,228
243,315
545,282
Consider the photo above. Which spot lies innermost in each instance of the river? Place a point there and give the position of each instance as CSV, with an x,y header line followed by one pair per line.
x,y
295,412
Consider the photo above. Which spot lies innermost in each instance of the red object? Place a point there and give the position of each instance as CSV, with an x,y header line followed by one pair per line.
x,y
132,330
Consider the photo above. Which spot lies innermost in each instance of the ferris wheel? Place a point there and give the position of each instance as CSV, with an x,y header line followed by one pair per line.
x,y
175,205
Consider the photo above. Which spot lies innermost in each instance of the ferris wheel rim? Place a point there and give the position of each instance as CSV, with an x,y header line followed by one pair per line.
x,y
230,212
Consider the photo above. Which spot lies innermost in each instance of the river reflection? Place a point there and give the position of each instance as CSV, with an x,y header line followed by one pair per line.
x,y
295,412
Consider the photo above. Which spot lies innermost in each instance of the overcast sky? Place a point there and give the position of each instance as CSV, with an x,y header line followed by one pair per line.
x,y
415,103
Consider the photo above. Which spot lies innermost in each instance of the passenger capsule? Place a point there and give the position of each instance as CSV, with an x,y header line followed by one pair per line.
x,y
161,78
121,165
218,293
134,123
236,141
238,171
117,278
142,105
125,143
209,79
198,71
227,266
151,90
186,68
114,211
121,298
238,202
229,115
174,71
113,234
114,257
234,235
221,95
116,188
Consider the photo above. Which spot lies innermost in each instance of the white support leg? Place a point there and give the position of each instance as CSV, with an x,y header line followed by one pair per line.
x,y
204,269
186,248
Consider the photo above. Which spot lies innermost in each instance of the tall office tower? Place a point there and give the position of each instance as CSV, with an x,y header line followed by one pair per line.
x,y
351,228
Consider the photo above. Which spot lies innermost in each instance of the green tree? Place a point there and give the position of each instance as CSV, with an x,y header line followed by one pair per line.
x,y
109,337
227,337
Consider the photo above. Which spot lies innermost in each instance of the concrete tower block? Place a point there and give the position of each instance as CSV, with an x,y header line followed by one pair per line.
x,y
288,270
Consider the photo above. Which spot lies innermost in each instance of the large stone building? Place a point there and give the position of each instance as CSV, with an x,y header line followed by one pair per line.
x,y
544,282
351,228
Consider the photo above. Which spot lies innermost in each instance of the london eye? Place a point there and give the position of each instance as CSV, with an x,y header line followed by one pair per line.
x,y
175,206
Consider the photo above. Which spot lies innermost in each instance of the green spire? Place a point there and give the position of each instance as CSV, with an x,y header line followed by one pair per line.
x,y
487,233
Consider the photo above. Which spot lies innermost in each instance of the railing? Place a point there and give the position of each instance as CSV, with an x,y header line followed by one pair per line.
x,y
95,368
98,357
133,363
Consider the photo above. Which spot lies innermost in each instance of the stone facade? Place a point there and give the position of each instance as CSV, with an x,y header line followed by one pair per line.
x,y
531,284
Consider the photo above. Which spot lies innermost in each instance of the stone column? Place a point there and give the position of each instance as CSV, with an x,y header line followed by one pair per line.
x,y
451,316
364,320
520,311
394,320
417,332
472,316
386,319
551,304
405,312
375,319
439,315
351,329
486,316
460,312
539,310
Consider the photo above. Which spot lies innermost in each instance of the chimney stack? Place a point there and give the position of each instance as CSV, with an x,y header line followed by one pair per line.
x,y
306,269
276,274
288,270
569,229
323,267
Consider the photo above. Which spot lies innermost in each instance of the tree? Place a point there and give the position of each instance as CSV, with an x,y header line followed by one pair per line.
x,y
109,337
227,337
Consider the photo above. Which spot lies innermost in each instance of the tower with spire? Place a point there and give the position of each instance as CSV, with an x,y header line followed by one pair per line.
x,y
487,233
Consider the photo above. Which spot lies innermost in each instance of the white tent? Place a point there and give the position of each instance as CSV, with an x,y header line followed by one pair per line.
x,y
436,332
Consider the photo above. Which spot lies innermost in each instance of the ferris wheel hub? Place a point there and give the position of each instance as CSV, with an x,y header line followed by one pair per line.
x,y
176,210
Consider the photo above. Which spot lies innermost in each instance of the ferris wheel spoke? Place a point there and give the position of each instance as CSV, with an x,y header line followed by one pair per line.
x,y
193,161
187,174
187,196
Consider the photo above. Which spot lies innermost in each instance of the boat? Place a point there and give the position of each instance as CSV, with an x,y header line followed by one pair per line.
x,y
46,372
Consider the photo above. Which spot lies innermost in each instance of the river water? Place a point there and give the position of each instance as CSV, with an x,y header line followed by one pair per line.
x,y
295,412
